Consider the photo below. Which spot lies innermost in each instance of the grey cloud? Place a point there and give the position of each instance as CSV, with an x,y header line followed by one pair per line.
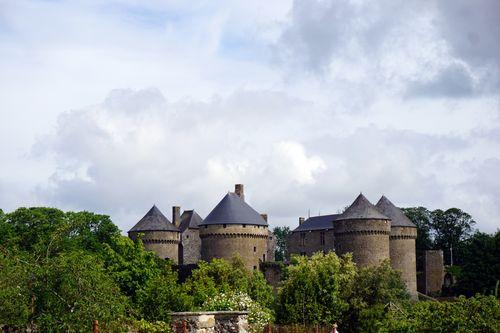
x,y
453,81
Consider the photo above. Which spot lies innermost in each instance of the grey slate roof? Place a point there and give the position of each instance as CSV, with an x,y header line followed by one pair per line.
x,y
362,209
317,223
154,220
398,218
190,219
232,210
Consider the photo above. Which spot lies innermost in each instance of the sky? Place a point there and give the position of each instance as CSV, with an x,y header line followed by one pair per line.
x,y
113,106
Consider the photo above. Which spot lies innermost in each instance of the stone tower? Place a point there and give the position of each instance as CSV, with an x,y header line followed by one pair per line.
x,y
364,231
234,228
190,247
158,234
401,243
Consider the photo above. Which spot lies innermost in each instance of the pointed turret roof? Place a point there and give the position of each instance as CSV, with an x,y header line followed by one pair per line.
x,y
362,209
233,210
398,218
190,219
323,222
154,220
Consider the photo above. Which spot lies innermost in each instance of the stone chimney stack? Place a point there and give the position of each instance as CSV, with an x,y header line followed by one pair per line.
x,y
176,216
264,216
301,220
238,189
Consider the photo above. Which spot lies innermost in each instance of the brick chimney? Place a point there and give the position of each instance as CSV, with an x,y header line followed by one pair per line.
x,y
264,216
238,189
301,220
176,216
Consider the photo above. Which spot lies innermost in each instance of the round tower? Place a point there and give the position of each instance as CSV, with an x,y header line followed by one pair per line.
x,y
401,243
363,231
234,228
157,234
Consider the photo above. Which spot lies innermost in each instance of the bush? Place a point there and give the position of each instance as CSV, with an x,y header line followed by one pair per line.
x,y
314,290
258,316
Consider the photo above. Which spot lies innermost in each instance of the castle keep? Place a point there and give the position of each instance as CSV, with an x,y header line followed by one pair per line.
x,y
372,233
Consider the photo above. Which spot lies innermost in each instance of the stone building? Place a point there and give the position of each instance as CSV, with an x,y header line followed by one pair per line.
x,y
371,233
158,234
190,246
313,235
401,243
234,228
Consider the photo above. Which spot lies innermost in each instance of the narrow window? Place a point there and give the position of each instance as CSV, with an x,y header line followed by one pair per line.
x,y
322,238
264,257
254,249
244,225
302,238
254,268
223,225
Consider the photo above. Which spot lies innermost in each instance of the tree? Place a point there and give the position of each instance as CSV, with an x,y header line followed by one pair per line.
x,y
314,290
450,227
281,234
221,276
479,264
162,295
375,287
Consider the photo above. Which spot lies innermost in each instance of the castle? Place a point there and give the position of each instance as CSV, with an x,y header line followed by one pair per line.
x,y
231,228
372,233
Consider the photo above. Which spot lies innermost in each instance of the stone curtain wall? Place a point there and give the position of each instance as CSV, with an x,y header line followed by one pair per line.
x,y
164,243
312,242
210,322
191,244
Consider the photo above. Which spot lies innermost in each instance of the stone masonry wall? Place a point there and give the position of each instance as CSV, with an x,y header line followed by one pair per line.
x,y
191,246
434,271
164,243
210,322
224,241
311,243
403,256
367,240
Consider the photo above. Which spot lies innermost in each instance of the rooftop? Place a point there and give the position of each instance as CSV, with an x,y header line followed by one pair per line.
x,y
154,220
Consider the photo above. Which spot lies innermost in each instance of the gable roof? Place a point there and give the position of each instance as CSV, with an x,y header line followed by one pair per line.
x,y
362,209
232,210
190,219
317,223
154,220
398,217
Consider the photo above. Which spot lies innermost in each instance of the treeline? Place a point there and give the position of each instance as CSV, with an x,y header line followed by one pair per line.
x,y
59,271
473,257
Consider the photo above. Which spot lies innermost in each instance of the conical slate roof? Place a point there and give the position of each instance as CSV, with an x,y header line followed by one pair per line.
x,y
362,209
154,220
398,218
190,219
232,210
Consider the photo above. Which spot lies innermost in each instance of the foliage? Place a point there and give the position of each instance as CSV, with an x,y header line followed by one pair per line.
x,y
162,295
281,234
220,276
480,264
450,228
374,288
258,316
14,292
315,289
130,265
475,314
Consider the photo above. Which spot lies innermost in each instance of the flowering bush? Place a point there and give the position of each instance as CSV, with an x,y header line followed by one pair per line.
x,y
258,316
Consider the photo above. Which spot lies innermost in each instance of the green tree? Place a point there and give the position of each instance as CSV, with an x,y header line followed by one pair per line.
x,y
314,290
450,228
479,264
375,287
162,295
281,234
220,276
